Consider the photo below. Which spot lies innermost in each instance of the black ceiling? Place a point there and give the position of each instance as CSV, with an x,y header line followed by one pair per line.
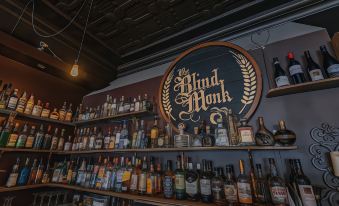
x,y
122,32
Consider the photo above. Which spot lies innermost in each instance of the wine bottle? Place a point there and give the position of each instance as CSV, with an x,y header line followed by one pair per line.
x,y
277,186
295,70
180,180
331,65
313,68
192,183
280,77
205,183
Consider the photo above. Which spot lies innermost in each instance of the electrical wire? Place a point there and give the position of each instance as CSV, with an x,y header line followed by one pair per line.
x,y
61,30
20,17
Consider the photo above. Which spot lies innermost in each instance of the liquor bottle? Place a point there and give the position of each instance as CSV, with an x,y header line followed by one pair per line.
x,y
114,107
244,186
276,186
61,140
107,139
13,100
168,181
106,179
56,172
112,139
33,172
119,176
37,109
13,176
304,186
101,174
313,68
99,141
232,129
126,177
5,133
140,135
154,133
45,111
3,96
263,136
284,136
295,69
134,176
331,65
30,139
137,103
69,114
63,172
230,186
168,141
181,139
221,135
39,173
192,183
180,180
263,194
246,135
208,140
22,137
54,144
150,180
81,173
218,187
205,183
62,112
127,105
197,138
124,141
21,103
68,144
29,105
70,172
146,105
46,144
13,137
39,138
158,179
92,138
24,173
46,175
84,133
280,77
142,184
132,106
135,135
54,114
105,107
94,174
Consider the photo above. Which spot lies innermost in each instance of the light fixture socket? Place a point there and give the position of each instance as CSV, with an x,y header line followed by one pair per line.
x,y
75,70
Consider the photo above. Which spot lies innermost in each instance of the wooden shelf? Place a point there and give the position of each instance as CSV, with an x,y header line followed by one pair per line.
x,y
191,149
28,116
115,117
24,150
17,188
304,87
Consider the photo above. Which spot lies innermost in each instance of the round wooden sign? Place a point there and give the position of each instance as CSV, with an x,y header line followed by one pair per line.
x,y
206,82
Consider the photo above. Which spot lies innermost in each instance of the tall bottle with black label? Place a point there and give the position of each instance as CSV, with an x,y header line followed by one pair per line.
x,y
205,183
244,186
295,69
313,68
280,76
304,186
331,65
192,183
277,186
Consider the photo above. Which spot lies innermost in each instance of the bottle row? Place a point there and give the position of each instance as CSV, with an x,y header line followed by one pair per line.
x,y
29,137
313,70
9,99
146,177
113,107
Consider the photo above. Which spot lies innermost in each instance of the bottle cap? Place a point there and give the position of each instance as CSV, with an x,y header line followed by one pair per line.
x,y
290,55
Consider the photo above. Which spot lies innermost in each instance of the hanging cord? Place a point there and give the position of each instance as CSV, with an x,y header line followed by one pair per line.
x,y
60,31
20,17
83,35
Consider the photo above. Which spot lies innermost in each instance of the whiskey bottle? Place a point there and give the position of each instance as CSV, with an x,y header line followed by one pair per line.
x,y
61,140
101,174
263,194
69,114
230,186
24,173
246,135
46,144
304,186
81,174
132,106
192,183
126,176
29,105
168,181
277,186
135,135
99,141
121,105
5,133
46,175
244,186
112,139
150,181
313,68
218,187
54,114
158,179
33,172
208,140
62,112
22,137
54,143
140,135
119,175
232,129
37,109
39,138
68,144
221,135
114,107
137,104
124,141
30,138
142,185
105,107
3,96
154,133
39,173
56,172
45,111
197,138
284,136
107,139
280,77
13,176
22,103
263,136
168,141
127,105
205,183
13,100
107,176
180,180
134,176
13,137
93,136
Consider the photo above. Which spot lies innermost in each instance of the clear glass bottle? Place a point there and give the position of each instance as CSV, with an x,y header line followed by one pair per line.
x,y
230,186
192,183
246,134
13,176
181,139
197,138
221,135
218,187
180,190
277,186
244,186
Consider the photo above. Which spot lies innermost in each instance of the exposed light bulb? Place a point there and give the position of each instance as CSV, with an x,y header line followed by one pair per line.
x,y
75,70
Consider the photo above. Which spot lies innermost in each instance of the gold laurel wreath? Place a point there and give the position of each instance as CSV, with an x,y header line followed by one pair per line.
x,y
166,96
250,79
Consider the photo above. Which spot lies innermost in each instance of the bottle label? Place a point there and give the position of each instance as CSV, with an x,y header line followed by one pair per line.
x,y
134,182
191,187
12,180
45,113
29,107
221,138
246,135
316,75
150,185
160,142
168,186
333,70
179,182
12,102
126,176
282,81
244,192
21,105
29,142
12,140
142,183
205,187
230,192
154,133
36,110
295,69
307,195
279,195
91,142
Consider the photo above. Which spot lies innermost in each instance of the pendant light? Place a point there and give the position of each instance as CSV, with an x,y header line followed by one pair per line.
x,y
75,68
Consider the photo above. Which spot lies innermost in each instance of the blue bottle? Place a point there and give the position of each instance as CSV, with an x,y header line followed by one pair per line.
x,y
24,173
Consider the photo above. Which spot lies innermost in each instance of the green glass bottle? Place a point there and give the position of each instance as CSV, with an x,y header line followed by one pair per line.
x,y
5,134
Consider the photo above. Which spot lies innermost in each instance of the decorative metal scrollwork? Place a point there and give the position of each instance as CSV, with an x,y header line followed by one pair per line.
x,y
326,140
